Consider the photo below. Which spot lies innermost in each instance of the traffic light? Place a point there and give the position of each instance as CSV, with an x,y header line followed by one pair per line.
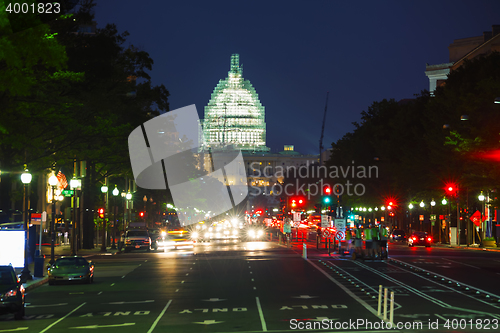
x,y
141,214
327,191
451,189
101,213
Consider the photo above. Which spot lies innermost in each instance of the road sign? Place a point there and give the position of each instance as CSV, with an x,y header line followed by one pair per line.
x,y
324,221
296,224
476,218
68,193
340,227
297,216
36,218
326,233
340,235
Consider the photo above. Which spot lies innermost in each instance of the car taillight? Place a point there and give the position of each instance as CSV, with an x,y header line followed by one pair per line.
x,y
429,239
392,235
414,238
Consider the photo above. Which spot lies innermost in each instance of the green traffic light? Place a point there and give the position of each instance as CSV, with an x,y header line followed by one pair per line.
x,y
326,200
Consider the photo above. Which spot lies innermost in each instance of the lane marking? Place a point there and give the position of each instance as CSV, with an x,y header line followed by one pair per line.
x,y
99,293
133,302
123,277
99,326
187,274
112,285
461,263
43,306
347,291
176,290
61,319
182,281
15,329
261,315
159,316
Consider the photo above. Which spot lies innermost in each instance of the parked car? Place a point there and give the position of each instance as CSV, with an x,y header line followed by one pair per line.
x,y
398,235
137,239
74,268
419,238
11,293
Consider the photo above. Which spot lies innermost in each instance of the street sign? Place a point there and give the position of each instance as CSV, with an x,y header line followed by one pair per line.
x,y
297,216
340,235
36,218
326,233
324,221
476,218
68,193
340,227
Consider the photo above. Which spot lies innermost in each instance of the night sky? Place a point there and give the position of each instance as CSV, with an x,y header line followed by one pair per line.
x,y
294,52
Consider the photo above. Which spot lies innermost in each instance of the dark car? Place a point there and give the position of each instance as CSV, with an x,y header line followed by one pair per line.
x,y
419,238
398,235
137,239
11,293
73,268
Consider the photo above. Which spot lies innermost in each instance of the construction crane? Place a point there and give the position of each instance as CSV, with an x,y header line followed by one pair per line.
x,y
323,132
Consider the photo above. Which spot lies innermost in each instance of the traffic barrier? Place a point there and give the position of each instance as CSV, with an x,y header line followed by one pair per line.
x,y
391,305
304,250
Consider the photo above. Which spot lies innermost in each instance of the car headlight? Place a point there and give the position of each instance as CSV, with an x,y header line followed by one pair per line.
x,y
251,233
194,235
235,232
207,235
260,232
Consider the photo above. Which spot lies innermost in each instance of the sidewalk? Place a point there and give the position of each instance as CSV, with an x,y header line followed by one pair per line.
x,y
59,251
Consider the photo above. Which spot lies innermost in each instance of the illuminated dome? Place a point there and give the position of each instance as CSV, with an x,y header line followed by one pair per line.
x,y
234,116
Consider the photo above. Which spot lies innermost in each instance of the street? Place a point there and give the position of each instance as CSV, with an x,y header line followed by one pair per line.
x,y
233,286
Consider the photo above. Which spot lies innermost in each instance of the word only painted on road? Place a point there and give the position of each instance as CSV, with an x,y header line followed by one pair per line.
x,y
215,310
118,313
306,307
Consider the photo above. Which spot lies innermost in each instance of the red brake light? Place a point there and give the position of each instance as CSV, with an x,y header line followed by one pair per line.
x,y
429,239
414,238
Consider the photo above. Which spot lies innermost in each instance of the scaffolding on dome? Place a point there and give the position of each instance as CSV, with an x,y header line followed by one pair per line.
x,y
234,116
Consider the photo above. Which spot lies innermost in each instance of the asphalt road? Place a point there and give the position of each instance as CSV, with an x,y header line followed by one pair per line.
x,y
261,286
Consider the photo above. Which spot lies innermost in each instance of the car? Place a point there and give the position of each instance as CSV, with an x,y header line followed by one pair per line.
x,y
419,238
176,240
154,234
137,239
255,233
11,293
398,235
71,268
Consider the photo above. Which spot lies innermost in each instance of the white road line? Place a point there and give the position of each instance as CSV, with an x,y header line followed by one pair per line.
x,y
99,293
347,291
461,263
112,285
261,315
61,319
159,316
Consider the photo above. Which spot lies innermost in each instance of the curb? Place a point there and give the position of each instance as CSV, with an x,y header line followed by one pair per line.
x,y
37,284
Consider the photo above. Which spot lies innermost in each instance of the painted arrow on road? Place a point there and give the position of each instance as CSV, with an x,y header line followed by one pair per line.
x,y
136,302
213,300
104,326
305,297
15,329
208,322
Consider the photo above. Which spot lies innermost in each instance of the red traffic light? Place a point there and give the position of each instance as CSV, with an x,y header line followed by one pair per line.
x,y
101,212
451,189
327,190
141,214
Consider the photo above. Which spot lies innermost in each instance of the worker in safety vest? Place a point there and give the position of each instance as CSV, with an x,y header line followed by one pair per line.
x,y
384,235
358,241
368,240
375,242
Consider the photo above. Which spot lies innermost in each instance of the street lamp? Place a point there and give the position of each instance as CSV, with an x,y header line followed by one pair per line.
x,y
410,206
104,189
74,184
115,193
481,198
26,180
433,217
53,182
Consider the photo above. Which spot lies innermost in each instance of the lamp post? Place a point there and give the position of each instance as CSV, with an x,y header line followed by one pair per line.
x,y
26,180
104,189
115,193
145,199
128,197
444,202
74,183
410,206
53,182
481,198
433,217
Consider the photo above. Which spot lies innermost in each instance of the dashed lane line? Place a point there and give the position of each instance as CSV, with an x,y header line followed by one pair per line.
x,y
61,319
159,316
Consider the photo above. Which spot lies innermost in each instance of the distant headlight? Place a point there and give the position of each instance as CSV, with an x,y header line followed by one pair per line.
x,y
260,232
251,233
194,235
163,233
226,232
207,235
235,232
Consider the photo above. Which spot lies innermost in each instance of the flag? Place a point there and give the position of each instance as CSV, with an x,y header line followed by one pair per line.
x,y
63,183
